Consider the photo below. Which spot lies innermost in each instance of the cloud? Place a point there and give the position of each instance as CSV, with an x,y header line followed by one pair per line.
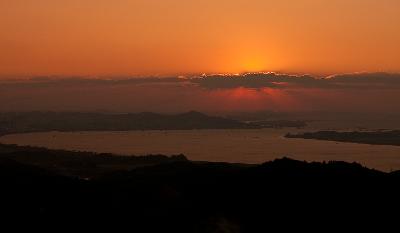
x,y
365,80
251,80
219,81
84,81
273,80
208,93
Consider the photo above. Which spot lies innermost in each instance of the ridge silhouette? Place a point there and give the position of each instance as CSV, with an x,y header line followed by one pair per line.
x,y
186,196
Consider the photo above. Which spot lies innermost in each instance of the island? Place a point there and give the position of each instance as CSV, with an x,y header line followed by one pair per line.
x,y
383,137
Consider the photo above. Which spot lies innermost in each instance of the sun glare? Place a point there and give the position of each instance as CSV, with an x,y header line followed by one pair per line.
x,y
253,62
253,65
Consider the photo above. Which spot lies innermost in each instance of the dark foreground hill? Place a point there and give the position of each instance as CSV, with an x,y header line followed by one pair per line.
x,y
81,164
184,196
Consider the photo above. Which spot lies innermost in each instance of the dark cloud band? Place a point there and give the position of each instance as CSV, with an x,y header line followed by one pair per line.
x,y
248,80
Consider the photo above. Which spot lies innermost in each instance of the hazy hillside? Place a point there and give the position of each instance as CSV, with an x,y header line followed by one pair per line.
x,y
69,121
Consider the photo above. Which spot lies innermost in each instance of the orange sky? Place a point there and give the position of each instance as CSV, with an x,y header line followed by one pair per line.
x,y
159,37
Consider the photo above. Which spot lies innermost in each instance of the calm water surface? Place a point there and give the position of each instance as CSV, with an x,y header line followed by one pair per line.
x,y
242,146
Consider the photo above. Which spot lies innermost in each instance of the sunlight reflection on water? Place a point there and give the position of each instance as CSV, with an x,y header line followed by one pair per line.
x,y
239,146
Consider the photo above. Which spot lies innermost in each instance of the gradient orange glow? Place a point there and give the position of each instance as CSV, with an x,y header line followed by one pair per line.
x,y
160,37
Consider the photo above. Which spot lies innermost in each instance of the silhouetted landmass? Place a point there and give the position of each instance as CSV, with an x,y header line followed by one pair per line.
x,y
70,121
269,119
64,121
373,138
185,196
281,124
80,164
267,116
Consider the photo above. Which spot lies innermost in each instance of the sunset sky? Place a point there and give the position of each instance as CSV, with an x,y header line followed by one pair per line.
x,y
349,49
165,37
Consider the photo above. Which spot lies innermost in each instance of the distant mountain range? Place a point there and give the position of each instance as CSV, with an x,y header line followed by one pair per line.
x,y
71,121
22,122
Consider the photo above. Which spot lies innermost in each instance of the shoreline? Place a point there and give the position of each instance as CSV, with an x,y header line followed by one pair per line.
x,y
373,138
